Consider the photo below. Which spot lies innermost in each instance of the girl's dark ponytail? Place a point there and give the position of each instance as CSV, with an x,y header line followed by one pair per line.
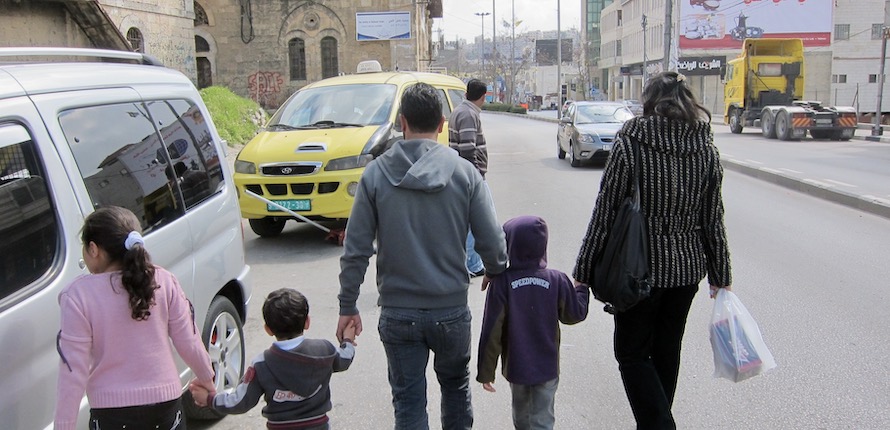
x,y
117,231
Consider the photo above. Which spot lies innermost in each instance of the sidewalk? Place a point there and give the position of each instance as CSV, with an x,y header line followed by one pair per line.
x,y
859,169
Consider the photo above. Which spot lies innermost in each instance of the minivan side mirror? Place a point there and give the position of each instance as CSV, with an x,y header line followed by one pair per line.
x,y
565,120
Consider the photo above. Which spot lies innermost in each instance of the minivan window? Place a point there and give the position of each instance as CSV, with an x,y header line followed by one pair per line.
x,y
443,99
457,96
195,161
123,162
28,221
336,106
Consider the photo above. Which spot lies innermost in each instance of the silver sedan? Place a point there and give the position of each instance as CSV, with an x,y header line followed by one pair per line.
x,y
587,130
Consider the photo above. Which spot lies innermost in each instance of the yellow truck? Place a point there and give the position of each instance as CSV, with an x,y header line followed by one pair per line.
x,y
764,86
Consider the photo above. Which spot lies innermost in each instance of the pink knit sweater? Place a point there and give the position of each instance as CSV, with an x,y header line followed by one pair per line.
x,y
117,360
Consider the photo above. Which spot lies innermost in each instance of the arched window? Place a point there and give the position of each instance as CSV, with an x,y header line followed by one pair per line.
x,y
201,44
200,16
329,65
134,36
296,51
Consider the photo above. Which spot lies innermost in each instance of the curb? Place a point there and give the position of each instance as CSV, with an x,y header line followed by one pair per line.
x,y
867,204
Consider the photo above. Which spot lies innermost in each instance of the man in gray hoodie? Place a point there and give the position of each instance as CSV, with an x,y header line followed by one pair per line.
x,y
418,200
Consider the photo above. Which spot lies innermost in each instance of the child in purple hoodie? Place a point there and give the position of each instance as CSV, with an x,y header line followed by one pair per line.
x,y
523,309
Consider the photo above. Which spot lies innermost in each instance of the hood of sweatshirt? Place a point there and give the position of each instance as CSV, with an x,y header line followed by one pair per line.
x,y
527,242
668,135
413,164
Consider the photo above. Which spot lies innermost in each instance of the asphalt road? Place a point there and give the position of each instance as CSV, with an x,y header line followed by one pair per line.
x,y
813,273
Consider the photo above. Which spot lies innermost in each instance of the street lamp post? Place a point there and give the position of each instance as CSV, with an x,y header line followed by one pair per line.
x,y
876,129
558,63
645,57
482,16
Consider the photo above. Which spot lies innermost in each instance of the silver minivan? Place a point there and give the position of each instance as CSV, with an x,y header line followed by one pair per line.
x,y
80,129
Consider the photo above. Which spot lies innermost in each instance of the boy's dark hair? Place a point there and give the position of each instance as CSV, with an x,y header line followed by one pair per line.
x,y
421,107
285,311
667,94
476,89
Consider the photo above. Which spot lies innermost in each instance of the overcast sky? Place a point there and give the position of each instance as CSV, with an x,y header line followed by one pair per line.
x,y
459,19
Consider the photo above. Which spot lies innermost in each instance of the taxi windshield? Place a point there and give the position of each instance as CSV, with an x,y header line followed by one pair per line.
x,y
594,114
355,105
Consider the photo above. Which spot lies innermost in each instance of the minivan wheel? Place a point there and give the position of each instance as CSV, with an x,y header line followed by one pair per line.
x,y
268,226
559,152
223,335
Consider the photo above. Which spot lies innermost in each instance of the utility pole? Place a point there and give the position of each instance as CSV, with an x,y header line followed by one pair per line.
x,y
645,57
513,52
494,55
482,16
668,20
558,63
876,129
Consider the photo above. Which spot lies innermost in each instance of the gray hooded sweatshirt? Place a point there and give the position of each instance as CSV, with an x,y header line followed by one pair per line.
x,y
418,201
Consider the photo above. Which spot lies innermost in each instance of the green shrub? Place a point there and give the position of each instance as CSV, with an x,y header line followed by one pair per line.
x,y
237,119
518,109
503,107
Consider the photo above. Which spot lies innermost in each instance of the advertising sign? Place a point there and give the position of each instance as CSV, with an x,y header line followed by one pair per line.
x,y
724,24
700,66
382,25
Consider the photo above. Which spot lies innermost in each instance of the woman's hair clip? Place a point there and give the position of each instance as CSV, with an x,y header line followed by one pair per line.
x,y
681,77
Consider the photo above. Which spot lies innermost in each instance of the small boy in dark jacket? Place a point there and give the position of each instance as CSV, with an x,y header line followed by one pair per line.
x,y
523,309
294,374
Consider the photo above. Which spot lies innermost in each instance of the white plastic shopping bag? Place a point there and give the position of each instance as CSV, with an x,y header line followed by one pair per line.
x,y
739,350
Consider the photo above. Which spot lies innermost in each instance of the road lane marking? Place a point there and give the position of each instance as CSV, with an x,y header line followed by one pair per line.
x,y
843,184
817,183
789,170
752,161
773,171
876,199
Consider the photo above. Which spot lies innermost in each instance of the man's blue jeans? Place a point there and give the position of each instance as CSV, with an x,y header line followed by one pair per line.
x,y
408,336
474,260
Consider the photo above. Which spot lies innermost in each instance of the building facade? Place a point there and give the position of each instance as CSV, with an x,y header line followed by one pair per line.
x,y
842,41
261,49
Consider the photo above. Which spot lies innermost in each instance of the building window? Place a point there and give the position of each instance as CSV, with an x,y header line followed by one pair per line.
x,y
200,16
201,44
617,48
838,79
296,51
329,65
873,79
876,31
619,19
842,32
134,36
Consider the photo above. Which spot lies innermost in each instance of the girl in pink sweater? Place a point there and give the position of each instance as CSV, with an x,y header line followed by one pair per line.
x,y
117,324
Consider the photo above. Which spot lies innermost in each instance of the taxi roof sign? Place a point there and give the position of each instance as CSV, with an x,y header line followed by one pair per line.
x,y
369,66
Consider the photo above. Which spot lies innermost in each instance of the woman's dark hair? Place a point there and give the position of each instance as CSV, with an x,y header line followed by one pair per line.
x,y
109,227
421,107
476,89
667,94
285,311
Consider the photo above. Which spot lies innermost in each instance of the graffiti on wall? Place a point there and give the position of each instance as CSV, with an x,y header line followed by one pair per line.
x,y
264,86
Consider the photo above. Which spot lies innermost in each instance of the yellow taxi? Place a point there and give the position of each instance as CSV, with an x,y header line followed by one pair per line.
x,y
311,154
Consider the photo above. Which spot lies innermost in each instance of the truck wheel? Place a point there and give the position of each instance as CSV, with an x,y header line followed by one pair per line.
x,y
783,126
767,125
268,226
822,134
735,121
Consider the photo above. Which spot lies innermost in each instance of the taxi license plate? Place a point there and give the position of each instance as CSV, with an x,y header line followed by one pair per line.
x,y
294,205
607,147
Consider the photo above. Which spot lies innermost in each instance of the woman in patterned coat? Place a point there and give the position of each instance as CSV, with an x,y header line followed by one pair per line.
x,y
680,186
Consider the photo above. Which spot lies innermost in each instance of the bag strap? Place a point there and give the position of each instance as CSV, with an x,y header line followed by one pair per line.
x,y
635,150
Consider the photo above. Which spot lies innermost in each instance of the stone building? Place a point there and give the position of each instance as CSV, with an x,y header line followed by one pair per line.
x,y
262,49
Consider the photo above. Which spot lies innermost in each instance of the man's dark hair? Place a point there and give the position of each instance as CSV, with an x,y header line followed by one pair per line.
x,y
285,312
476,89
422,108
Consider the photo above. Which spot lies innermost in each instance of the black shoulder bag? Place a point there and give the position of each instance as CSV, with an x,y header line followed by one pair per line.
x,y
621,276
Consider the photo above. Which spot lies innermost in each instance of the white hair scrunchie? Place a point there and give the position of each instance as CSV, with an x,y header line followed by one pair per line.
x,y
133,239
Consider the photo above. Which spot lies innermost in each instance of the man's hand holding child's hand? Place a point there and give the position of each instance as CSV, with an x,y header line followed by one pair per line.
x,y
201,392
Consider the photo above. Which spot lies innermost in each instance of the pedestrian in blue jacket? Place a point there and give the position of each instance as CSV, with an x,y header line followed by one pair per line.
x,y
523,309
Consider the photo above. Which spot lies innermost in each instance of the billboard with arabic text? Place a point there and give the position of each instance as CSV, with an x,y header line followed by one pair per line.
x,y
724,24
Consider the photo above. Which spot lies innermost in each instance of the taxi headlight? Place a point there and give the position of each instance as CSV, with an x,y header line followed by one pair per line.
x,y
346,163
245,167
586,138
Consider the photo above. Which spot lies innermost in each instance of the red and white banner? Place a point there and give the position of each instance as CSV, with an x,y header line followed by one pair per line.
x,y
724,24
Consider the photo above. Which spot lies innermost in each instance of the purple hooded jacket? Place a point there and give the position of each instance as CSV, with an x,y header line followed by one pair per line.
x,y
524,307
